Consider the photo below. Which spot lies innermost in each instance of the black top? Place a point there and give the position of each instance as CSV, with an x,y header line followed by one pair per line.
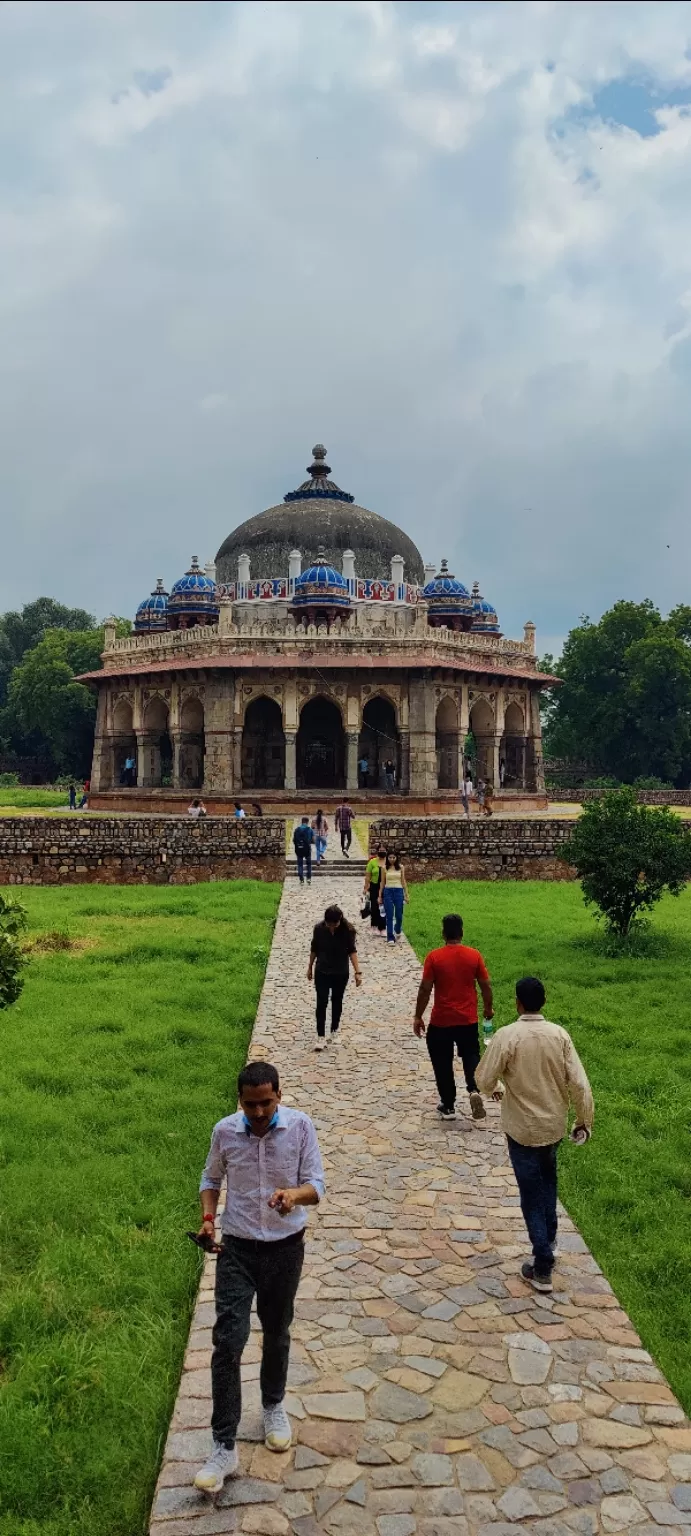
x,y
333,949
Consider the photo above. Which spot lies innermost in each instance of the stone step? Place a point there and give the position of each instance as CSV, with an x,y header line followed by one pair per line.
x,y
349,868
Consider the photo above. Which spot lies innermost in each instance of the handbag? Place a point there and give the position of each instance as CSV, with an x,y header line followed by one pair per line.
x,y
366,907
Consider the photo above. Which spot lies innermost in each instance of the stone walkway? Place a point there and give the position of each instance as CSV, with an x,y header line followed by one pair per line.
x,y
431,1392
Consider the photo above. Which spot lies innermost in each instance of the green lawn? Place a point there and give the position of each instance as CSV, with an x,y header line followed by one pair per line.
x,y
115,1063
629,1190
30,799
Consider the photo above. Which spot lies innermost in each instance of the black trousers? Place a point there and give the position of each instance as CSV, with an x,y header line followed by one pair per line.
x,y
335,986
346,838
272,1272
440,1044
536,1176
375,917
304,864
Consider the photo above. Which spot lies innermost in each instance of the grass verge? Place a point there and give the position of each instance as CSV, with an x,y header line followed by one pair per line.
x,y
20,799
629,1190
115,1063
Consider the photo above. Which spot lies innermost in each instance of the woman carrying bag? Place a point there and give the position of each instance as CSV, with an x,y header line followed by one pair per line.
x,y
395,892
372,890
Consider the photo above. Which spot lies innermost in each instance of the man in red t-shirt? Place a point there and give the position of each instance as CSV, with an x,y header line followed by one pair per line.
x,y
453,973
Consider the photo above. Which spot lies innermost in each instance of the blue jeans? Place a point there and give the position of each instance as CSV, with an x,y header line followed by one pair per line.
x,y
320,846
393,907
305,864
536,1176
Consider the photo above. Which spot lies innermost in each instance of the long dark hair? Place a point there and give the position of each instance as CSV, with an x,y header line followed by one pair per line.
x,y
319,818
393,854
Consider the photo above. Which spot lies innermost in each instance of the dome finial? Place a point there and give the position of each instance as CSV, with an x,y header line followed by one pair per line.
x,y
476,589
319,469
444,568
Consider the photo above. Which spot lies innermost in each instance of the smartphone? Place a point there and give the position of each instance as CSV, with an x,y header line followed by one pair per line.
x,y
203,1240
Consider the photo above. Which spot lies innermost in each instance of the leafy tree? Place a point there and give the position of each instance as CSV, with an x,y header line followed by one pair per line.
x,y
627,855
12,924
625,700
45,698
20,632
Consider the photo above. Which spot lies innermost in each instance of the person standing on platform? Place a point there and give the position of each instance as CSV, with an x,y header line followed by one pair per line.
x,y
238,811
390,776
394,895
344,825
454,973
542,1074
333,949
269,1156
363,769
303,838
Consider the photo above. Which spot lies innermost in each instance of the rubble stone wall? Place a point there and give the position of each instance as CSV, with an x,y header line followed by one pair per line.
x,y
450,848
132,850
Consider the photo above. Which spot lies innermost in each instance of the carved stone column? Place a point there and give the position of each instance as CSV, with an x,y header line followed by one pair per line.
x,y
352,739
148,761
176,743
291,760
423,742
405,762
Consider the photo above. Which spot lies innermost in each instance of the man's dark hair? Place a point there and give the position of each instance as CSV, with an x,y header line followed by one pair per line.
x,y
333,915
452,926
530,993
305,821
256,1074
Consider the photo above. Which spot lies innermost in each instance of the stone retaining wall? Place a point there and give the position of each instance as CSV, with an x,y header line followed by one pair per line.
x,y
79,849
643,796
445,848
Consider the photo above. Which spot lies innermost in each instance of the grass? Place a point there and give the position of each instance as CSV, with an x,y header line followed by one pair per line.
x,y
115,1063
629,1190
30,799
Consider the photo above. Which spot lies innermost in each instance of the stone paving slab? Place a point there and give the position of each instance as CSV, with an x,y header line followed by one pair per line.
x,y
432,1393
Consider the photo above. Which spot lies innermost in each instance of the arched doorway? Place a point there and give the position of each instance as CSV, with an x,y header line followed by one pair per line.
x,y
446,729
379,741
191,761
512,748
124,764
157,749
482,728
321,753
263,746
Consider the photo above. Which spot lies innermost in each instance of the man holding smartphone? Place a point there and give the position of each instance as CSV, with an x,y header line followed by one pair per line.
x,y
269,1156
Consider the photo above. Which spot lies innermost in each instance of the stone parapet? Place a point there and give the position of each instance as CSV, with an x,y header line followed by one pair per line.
x,y
79,849
643,796
449,848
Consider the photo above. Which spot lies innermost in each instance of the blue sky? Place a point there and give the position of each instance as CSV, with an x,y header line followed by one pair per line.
x,y
453,242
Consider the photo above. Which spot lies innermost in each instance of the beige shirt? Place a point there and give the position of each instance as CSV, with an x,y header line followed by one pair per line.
x,y
542,1074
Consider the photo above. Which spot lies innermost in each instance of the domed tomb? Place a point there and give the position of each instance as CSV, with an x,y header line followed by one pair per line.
x,y
318,514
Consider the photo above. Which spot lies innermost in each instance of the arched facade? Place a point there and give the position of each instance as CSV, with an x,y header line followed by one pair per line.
x,y
512,748
321,746
155,747
379,742
447,743
263,745
189,745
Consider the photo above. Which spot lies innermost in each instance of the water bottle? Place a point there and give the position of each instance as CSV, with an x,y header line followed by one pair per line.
x,y
487,1032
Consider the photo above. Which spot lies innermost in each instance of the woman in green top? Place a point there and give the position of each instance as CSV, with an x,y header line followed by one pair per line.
x,y
373,874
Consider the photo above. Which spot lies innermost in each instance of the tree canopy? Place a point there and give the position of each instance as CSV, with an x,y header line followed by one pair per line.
x,y
625,700
20,632
627,855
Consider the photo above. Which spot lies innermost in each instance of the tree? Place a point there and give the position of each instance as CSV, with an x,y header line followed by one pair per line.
x,y
45,698
627,855
12,924
625,700
20,632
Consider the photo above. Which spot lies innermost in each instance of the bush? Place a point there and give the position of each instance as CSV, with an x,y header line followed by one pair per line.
x,y
651,783
9,780
12,924
627,855
602,783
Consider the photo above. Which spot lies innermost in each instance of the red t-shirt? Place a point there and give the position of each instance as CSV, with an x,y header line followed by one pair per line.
x,y
454,971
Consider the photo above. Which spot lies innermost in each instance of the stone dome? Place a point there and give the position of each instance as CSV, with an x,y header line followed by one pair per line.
x,y
318,515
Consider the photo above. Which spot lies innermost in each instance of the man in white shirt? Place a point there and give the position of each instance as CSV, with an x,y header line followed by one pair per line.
x,y
466,792
196,809
269,1156
542,1075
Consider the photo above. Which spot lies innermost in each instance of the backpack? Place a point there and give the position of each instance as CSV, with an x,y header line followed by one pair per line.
x,y
302,839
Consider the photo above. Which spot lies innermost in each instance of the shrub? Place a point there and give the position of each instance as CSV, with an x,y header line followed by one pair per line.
x,y
12,924
651,783
9,780
627,855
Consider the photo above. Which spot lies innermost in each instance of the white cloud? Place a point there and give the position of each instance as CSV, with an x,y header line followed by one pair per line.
x,y
399,228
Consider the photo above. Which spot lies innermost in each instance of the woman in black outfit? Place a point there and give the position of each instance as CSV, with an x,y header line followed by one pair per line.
x,y
333,950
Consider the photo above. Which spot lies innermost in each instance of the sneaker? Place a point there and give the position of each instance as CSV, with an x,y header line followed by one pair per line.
x,y
538,1282
445,1112
278,1435
477,1108
321,1044
222,1463
335,1037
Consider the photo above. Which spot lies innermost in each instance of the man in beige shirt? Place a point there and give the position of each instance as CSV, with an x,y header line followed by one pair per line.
x,y
542,1075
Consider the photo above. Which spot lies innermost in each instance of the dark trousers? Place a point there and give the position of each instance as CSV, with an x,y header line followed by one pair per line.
x,y
375,917
346,838
272,1272
536,1176
305,861
335,985
441,1040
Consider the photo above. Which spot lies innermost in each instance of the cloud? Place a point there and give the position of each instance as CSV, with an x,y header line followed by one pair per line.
x,y
451,241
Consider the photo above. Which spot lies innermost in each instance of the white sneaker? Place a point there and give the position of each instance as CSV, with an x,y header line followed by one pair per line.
x,y
278,1435
222,1463
335,1037
321,1044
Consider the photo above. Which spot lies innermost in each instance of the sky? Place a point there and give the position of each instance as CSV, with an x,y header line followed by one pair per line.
x,y
450,241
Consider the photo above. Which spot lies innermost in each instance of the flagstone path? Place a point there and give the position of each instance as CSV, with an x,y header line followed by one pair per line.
x,y
431,1392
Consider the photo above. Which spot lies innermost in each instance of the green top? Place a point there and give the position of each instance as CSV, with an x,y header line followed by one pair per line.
x,y
372,870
